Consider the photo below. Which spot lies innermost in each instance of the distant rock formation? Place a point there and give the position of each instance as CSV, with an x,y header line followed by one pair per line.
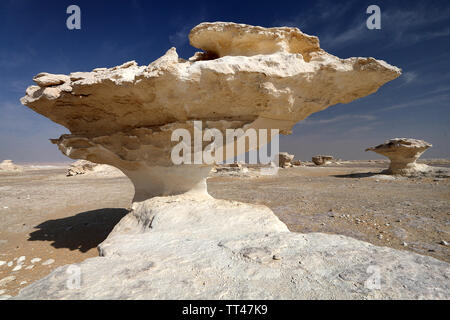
x,y
321,160
179,247
84,166
285,159
403,153
9,166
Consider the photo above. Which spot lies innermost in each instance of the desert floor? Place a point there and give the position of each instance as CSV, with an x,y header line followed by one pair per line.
x,y
44,214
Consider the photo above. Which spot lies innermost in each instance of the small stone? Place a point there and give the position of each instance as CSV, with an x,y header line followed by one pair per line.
x,y
35,260
22,283
17,268
380,236
276,257
21,259
10,264
2,263
49,261
29,267
444,243
7,280
404,244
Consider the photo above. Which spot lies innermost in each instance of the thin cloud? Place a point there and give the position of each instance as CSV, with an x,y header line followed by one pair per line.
x,y
429,102
399,25
339,119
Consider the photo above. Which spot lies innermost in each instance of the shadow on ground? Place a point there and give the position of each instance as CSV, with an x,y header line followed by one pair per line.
x,y
82,231
357,175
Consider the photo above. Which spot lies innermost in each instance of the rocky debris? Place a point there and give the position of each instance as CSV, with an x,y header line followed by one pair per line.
x,y
284,160
48,262
35,260
9,166
321,160
296,163
232,169
403,153
7,280
87,167
269,78
189,248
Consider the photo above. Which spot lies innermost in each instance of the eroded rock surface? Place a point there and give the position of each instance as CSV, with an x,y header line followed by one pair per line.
x,y
403,153
189,248
246,77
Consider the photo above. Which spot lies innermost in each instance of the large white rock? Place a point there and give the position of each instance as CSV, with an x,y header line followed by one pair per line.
x,y
189,248
246,77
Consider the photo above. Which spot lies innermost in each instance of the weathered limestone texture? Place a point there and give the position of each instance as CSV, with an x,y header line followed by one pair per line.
x,y
179,247
180,243
245,77
403,154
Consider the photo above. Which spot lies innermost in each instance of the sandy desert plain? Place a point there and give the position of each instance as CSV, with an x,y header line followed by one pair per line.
x,y
61,220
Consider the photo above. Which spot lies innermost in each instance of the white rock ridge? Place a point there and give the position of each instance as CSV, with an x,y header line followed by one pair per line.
x,y
246,77
403,153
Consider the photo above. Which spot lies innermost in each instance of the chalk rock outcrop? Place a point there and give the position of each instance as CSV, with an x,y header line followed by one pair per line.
x,y
9,166
187,248
285,159
188,245
87,167
245,77
403,154
321,160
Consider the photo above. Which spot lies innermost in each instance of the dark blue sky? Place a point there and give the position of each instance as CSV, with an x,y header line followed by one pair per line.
x,y
414,35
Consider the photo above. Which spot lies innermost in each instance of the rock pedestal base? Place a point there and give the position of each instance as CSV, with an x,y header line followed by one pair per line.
x,y
181,247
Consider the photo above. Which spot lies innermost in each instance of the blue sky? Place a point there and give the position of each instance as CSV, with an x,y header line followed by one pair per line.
x,y
414,35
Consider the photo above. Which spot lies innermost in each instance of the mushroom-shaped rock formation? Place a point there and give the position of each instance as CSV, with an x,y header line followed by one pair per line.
x,y
186,246
403,154
247,77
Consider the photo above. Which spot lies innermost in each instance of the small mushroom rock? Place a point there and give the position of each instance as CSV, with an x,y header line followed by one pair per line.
x,y
403,153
